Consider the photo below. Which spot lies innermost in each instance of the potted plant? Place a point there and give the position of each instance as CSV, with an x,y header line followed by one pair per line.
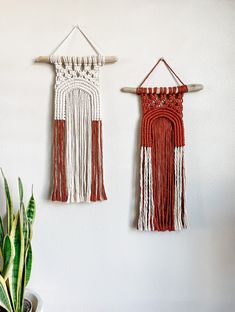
x,y
16,253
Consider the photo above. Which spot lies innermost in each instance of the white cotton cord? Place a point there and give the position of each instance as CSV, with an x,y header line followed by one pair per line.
x,y
140,223
69,154
79,146
179,192
176,191
89,40
63,41
66,86
185,200
185,225
146,208
77,27
78,153
146,175
88,150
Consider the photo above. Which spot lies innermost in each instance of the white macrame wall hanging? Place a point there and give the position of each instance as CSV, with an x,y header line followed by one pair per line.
x,y
77,146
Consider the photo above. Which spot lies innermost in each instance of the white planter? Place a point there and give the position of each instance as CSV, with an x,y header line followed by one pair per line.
x,y
35,299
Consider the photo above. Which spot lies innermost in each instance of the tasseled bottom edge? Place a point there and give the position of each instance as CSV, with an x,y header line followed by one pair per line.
x,y
148,207
97,182
97,190
180,215
59,192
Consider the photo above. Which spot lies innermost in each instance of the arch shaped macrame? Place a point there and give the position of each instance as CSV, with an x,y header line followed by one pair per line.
x,y
168,113
68,86
78,159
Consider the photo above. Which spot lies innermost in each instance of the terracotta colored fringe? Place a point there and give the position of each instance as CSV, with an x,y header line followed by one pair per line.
x,y
59,174
163,174
97,183
162,141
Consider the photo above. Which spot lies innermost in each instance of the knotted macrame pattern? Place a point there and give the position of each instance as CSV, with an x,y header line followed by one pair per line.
x,y
162,183
77,155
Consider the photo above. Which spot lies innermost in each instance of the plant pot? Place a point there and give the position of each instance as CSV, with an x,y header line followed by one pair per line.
x,y
35,300
28,306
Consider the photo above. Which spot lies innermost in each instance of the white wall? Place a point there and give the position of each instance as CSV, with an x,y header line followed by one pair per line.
x,y
89,257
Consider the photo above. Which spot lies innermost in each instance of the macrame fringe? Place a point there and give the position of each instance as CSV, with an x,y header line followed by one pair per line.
x,y
97,184
78,145
161,209
180,217
59,192
146,208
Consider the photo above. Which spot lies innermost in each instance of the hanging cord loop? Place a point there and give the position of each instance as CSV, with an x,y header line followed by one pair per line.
x,y
83,34
167,66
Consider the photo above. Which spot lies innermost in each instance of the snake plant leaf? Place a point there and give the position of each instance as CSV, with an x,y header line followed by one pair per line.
x,y
4,298
28,264
16,271
25,225
1,244
1,233
30,228
8,255
21,190
20,303
25,276
9,206
1,261
31,209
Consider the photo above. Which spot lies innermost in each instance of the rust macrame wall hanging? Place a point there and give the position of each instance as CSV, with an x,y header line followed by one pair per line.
x,y
77,156
162,182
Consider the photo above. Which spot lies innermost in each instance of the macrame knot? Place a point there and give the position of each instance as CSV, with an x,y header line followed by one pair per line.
x,y
94,60
86,67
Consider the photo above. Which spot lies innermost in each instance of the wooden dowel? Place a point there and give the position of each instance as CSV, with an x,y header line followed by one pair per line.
x,y
46,59
190,87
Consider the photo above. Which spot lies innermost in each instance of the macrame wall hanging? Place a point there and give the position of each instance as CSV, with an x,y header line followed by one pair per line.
x,y
162,182
77,155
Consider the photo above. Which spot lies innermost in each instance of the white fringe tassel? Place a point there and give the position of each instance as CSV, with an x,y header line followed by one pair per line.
x,y
179,191
146,206
78,147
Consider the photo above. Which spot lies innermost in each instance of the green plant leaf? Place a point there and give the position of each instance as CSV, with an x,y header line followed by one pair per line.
x,y
4,298
8,255
21,190
30,231
16,271
28,264
1,261
1,233
31,209
25,225
20,304
9,206
1,244
22,285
